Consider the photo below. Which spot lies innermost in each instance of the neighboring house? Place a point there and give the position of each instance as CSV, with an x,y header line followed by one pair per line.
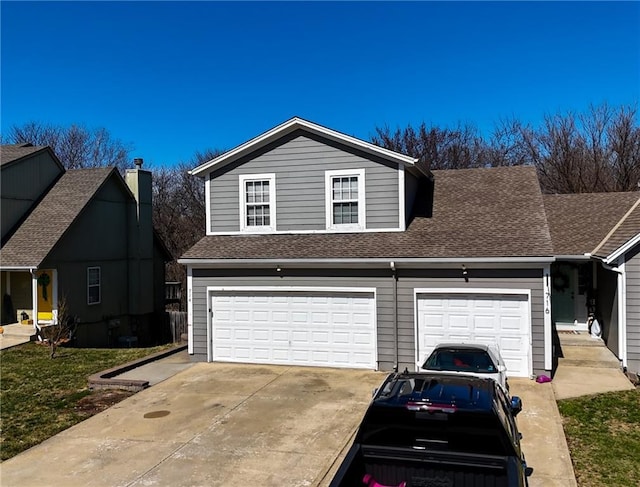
x,y
323,249
596,241
84,237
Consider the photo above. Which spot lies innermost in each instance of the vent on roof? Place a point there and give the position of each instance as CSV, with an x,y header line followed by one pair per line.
x,y
25,144
138,162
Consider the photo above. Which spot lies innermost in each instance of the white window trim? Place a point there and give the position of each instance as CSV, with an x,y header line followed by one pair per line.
x,y
361,225
271,178
99,285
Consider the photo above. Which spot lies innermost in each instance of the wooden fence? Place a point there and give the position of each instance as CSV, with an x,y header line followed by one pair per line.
x,y
177,324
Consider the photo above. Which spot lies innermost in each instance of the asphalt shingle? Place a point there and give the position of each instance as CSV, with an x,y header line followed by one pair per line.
x,y
13,152
488,212
51,218
579,222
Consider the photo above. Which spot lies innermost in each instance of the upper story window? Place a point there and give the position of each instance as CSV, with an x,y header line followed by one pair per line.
x,y
345,199
94,282
258,202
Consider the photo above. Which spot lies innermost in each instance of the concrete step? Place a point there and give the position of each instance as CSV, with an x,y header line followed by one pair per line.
x,y
588,356
579,339
18,330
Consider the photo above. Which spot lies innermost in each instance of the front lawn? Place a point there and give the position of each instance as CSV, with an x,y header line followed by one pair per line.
x,y
603,433
40,396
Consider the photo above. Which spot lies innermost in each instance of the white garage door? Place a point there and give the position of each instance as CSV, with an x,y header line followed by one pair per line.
x,y
332,329
485,318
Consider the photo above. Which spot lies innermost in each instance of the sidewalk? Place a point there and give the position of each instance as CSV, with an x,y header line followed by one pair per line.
x,y
156,372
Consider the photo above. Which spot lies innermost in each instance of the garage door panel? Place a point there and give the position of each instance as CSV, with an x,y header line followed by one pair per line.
x,y
295,328
459,322
491,318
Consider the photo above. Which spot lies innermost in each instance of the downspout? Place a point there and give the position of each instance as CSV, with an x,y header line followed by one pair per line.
x,y
394,276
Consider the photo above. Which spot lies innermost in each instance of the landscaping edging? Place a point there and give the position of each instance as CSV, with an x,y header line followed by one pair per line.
x,y
107,379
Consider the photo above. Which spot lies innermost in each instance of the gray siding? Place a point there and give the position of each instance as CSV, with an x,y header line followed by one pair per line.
x,y
632,268
382,280
299,165
370,279
22,184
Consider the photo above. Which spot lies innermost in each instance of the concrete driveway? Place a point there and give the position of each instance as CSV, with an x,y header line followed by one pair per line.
x,y
233,424
209,425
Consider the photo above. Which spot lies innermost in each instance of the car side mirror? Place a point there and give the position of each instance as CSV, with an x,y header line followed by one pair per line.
x,y
516,405
502,368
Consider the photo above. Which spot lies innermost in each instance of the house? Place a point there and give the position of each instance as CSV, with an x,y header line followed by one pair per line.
x,y
81,237
325,250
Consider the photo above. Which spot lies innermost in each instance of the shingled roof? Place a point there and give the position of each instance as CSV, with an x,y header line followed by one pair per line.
x,y
14,152
51,218
625,230
581,223
488,212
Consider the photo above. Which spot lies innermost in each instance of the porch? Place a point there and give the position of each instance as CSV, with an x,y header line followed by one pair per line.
x,y
586,366
29,297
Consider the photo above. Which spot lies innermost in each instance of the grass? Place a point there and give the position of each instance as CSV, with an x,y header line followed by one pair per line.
x,y
40,396
603,434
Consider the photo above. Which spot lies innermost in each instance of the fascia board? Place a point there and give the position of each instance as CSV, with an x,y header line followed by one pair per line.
x,y
399,263
288,127
573,257
623,249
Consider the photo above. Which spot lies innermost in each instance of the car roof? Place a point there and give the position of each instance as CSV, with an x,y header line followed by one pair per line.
x,y
462,346
464,392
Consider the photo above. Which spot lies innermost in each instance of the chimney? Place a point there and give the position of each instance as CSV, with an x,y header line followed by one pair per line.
x,y
140,237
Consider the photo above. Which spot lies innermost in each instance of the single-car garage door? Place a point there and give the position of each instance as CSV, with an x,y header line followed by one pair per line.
x,y
318,328
486,318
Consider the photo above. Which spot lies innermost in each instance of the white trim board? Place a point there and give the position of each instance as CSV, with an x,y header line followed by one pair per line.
x,y
465,291
290,126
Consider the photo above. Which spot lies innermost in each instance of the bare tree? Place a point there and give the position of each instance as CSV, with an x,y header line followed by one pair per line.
x,y
179,213
598,151
437,148
76,146
60,332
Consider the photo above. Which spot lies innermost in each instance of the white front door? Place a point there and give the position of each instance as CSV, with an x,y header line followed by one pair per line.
x,y
319,328
502,319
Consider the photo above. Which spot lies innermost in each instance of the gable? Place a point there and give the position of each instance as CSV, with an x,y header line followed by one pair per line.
x,y
51,218
27,174
294,125
100,229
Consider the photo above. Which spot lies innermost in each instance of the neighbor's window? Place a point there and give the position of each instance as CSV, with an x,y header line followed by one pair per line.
x,y
258,202
345,199
93,285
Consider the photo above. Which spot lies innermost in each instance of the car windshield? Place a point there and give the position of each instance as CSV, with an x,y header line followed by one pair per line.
x,y
461,360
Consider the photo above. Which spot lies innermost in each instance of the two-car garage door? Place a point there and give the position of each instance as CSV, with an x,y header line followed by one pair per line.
x,y
337,327
294,327
498,318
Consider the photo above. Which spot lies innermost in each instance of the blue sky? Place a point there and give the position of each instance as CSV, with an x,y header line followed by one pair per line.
x,y
171,78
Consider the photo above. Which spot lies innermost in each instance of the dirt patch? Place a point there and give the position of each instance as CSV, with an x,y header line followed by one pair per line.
x,y
100,400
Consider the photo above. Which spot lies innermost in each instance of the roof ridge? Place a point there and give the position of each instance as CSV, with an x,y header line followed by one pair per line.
x,y
616,226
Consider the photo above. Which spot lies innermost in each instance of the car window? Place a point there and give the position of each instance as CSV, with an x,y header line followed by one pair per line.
x,y
461,360
504,412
